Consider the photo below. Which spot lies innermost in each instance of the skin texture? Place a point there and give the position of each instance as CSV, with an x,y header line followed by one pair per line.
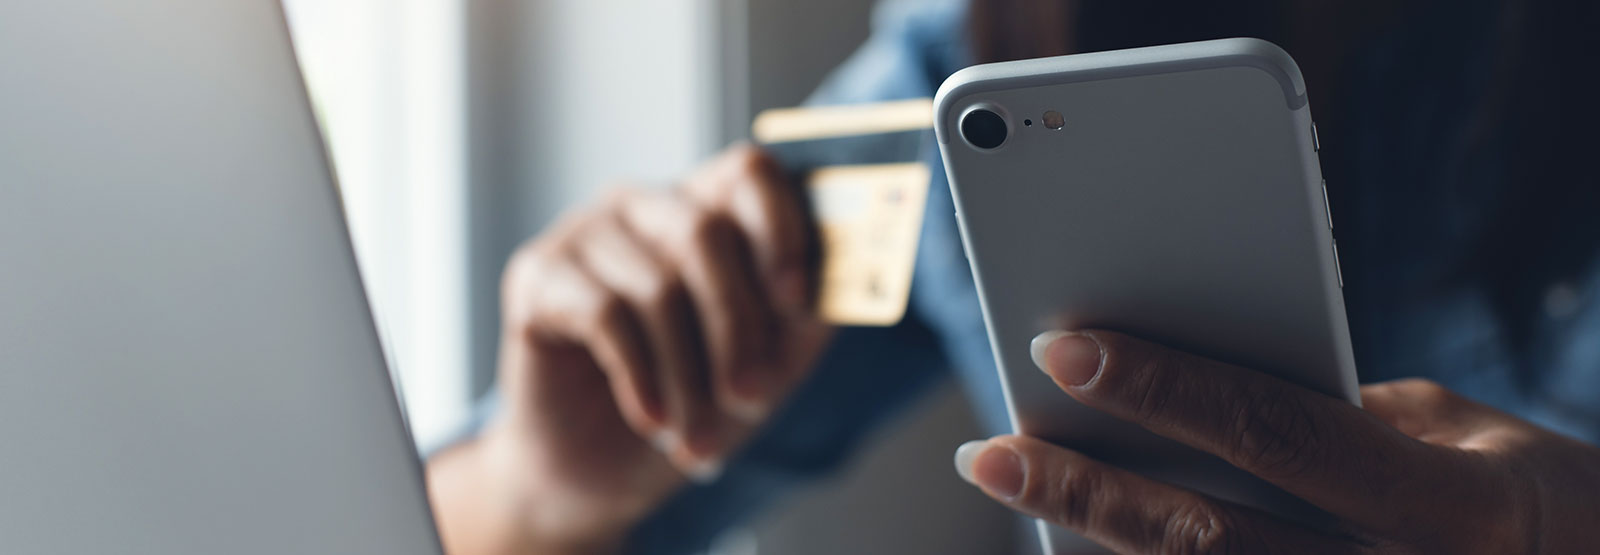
x,y
645,338
1420,470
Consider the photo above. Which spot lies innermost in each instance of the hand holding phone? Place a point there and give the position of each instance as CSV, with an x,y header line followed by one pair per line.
x,y
1171,193
1421,470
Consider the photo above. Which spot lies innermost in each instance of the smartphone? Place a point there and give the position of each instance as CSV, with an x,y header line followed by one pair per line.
x,y
1173,193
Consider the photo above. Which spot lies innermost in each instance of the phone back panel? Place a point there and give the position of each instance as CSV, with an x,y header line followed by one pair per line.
x,y
1181,202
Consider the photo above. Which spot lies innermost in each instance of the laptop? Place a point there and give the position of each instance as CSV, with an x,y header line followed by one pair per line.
x,y
188,363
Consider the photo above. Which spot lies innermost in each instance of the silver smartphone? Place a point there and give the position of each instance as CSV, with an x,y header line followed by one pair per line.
x,y
1173,193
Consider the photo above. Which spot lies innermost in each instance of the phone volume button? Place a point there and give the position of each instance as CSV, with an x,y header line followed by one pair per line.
x,y
1337,270
1327,207
1316,142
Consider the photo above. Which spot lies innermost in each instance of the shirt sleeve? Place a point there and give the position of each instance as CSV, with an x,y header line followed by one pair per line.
x,y
914,45
1568,390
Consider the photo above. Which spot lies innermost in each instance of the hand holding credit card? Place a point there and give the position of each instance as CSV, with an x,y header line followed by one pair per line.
x,y
862,171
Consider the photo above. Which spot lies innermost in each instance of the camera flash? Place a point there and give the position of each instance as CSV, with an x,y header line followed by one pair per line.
x,y
1053,120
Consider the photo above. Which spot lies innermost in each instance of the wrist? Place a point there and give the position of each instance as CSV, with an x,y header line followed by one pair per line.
x,y
550,518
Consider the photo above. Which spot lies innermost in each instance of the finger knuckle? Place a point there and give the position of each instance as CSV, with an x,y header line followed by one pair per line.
x,y
746,159
1072,495
627,204
617,196
524,260
1197,529
1149,396
528,264
1275,435
1430,395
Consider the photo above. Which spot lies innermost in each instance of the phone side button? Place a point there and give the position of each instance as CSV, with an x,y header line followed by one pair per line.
x,y
1337,270
1316,142
1327,206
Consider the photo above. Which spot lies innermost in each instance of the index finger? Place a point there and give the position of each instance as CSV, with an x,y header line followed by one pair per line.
x,y
1125,511
1319,448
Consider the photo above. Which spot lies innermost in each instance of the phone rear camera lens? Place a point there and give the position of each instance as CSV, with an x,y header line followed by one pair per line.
x,y
983,129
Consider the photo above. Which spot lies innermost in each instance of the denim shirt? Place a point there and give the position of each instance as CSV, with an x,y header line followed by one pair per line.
x,y
1403,322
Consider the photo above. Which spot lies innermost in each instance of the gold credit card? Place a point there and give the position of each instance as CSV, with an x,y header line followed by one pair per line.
x,y
869,218
862,169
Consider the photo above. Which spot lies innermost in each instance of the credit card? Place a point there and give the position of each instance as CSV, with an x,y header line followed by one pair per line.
x,y
863,172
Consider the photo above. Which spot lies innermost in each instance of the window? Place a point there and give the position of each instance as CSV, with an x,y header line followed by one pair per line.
x,y
386,77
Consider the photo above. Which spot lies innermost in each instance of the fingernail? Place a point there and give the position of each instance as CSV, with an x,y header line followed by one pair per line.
x,y
965,454
747,395
1072,358
997,469
705,472
747,410
665,441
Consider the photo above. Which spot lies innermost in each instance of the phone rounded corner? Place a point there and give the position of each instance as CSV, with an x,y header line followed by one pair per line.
x,y
955,88
1274,61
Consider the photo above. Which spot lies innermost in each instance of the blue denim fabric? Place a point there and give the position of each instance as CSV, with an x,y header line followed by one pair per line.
x,y
1399,228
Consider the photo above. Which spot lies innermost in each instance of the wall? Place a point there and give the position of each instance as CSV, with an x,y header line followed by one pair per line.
x,y
776,51
565,99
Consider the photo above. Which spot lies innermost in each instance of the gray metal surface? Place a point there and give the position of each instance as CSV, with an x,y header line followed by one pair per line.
x,y
187,360
1181,202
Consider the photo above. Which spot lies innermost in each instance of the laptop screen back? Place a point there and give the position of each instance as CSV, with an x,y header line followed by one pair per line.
x,y
187,360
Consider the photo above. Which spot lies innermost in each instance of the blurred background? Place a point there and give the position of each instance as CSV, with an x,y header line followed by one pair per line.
x,y
459,128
